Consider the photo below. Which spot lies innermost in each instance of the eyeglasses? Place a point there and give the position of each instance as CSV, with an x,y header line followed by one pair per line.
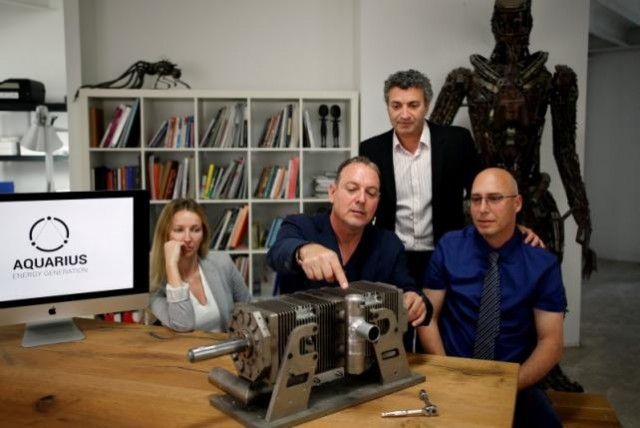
x,y
492,198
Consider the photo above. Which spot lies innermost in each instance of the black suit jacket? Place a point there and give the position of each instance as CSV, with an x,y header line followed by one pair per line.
x,y
454,164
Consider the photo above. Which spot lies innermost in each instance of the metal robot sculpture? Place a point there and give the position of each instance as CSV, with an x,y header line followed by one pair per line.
x,y
168,75
507,97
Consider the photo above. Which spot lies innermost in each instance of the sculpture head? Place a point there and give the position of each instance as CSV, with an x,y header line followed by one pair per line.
x,y
511,22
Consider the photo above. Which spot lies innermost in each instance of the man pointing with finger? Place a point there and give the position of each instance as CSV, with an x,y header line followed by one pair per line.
x,y
325,249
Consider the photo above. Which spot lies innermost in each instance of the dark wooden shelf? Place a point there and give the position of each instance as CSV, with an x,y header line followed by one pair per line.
x,y
22,106
30,158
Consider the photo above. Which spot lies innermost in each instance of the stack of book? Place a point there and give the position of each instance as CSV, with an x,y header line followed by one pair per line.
x,y
321,184
278,182
123,129
169,179
225,181
228,128
281,129
175,132
121,178
230,231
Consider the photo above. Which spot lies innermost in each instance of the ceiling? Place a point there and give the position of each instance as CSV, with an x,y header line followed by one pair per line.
x,y
614,25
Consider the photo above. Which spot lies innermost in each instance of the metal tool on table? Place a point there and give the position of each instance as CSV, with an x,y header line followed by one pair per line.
x,y
429,408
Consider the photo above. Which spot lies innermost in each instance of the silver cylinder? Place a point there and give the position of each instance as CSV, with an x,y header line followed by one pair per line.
x,y
222,348
237,387
359,332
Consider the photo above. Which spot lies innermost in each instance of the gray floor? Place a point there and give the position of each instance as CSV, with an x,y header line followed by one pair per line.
x,y
607,360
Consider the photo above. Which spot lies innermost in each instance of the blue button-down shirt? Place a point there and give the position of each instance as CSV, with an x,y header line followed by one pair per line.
x,y
379,256
529,278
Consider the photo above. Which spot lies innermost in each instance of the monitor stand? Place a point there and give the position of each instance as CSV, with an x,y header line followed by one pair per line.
x,y
49,332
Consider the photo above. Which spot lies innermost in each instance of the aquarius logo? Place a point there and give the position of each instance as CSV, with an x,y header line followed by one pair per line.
x,y
49,234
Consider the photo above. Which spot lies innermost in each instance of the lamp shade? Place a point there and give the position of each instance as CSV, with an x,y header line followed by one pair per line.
x,y
41,136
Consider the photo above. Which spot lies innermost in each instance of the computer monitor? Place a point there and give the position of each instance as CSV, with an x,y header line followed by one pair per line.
x,y
71,254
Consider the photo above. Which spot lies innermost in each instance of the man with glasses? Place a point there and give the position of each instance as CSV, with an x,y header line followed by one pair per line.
x,y
494,297
341,246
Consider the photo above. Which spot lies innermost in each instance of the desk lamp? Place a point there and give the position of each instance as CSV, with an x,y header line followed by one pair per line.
x,y
42,137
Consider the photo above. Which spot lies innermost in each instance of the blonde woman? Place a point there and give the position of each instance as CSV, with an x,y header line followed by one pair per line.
x,y
192,288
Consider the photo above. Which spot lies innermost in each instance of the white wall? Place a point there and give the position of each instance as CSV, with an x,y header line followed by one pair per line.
x,y
438,35
244,44
32,46
613,128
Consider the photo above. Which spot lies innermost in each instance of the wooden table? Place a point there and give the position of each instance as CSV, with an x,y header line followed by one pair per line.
x,y
133,375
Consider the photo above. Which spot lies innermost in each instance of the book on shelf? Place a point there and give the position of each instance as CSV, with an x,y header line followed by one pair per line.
x,y
171,180
221,180
158,137
257,231
236,181
111,127
218,129
131,131
240,126
276,186
281,138
262,182
295,129
272,131
289,126
242,264
171,129
96,126
120,178
278,182
236,238
272,233
224,232
221,227
122,121
308,135
181,186
293,170
273,173
186,181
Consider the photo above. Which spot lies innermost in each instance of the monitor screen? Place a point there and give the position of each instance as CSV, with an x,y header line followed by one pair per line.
x,y
71,254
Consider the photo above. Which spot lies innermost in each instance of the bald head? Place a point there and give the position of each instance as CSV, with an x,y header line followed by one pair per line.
x,y
494,204
499,177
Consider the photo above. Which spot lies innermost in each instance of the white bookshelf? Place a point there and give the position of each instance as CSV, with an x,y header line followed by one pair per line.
x,y
158,105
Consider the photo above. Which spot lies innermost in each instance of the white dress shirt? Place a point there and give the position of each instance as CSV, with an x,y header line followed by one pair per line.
x,y
414,214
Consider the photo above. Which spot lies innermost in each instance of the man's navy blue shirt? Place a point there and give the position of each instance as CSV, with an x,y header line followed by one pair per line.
x,y
379,256
529,278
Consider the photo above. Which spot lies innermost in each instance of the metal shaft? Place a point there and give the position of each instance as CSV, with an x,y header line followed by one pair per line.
x,y
222,348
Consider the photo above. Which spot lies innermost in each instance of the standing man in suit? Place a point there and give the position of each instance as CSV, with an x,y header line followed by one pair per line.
x,y
426,172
